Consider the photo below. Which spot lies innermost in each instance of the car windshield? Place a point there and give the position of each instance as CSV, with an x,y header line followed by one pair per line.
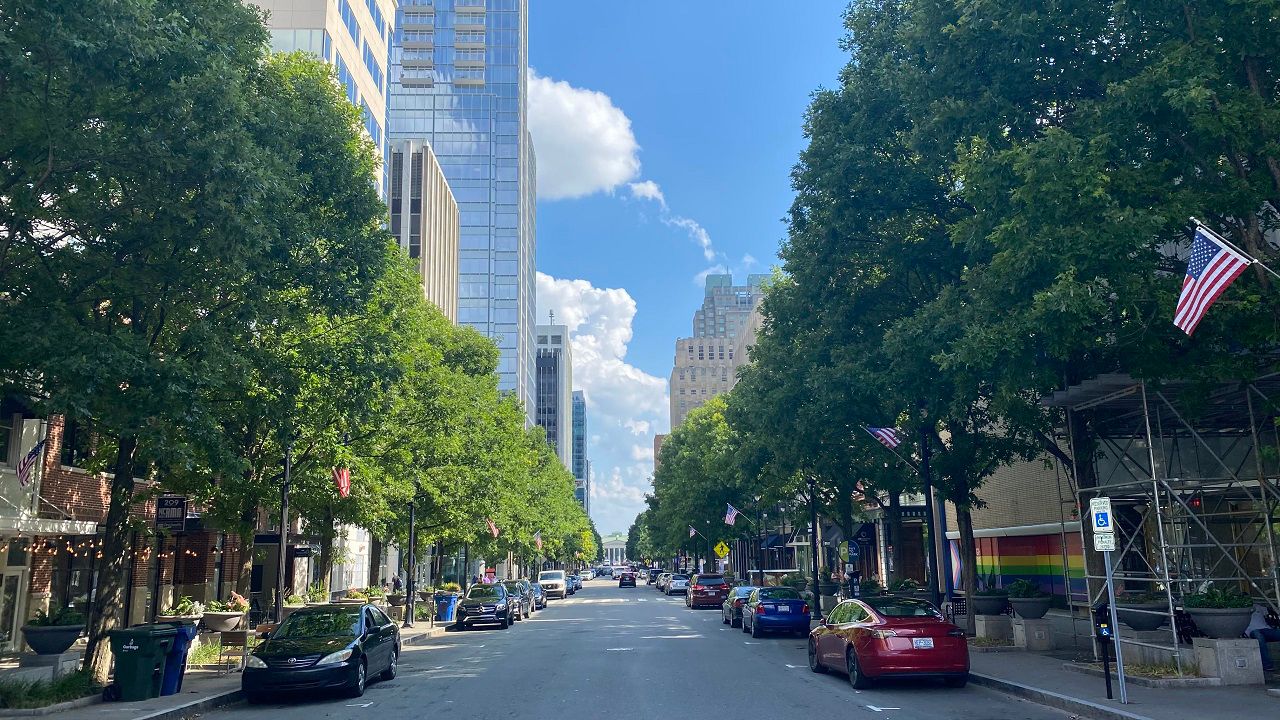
x,y
898,607
336,623
713,580
779,594
743,590
551,575
483,592
679,577
513,586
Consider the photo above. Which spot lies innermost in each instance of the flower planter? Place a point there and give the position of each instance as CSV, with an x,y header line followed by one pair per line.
x,y
1221,623
183,619
395,599
221,621
427,596
51,639
990,604
1143,621
351,601
1032,608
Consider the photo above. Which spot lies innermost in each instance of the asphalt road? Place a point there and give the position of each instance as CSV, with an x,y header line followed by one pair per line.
x,y
613,652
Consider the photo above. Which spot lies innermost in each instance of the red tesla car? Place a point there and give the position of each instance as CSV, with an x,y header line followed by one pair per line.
x,y
889,637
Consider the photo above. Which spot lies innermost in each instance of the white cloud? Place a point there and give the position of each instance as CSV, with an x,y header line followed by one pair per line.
x,y
696,232
583,141
748,261
648,190
625,405
700,280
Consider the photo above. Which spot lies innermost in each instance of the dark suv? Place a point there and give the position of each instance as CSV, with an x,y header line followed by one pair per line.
x,y
653,575
706,589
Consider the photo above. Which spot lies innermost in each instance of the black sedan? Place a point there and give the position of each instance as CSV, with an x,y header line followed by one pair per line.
x,y
731,609
490,604
539,596
522,595
324,647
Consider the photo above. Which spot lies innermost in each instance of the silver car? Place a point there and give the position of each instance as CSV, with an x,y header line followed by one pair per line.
x,y
677,584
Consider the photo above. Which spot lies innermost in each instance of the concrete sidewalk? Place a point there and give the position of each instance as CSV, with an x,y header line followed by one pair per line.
x,y
1042,679
202,690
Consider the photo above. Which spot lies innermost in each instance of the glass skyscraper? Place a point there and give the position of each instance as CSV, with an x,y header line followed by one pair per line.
x,y
458,81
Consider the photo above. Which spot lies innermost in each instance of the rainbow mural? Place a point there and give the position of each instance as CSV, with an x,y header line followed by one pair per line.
x,y
1037,558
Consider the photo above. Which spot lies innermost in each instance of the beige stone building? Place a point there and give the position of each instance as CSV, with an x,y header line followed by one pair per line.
x,y
706,364
424,218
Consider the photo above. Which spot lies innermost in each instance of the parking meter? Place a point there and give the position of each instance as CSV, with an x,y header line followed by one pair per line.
x,y
1102,621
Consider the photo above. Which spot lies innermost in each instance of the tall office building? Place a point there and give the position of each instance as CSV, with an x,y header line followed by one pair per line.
x,y
353,36
424,218
554,408
581,480
706,364
457,82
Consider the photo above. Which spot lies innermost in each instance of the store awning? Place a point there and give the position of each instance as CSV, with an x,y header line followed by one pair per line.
x,y
774,541
27,525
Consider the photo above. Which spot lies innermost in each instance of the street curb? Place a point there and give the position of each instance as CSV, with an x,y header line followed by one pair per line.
x,y
421,638
1055,700
53,709
195,706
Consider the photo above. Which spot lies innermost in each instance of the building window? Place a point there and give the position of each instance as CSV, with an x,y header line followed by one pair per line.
x,y
557,339
7,424
349,19
75,443
371,63
376,13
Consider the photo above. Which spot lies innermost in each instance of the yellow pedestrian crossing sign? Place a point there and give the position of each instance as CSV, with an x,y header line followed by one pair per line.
x,y
721,549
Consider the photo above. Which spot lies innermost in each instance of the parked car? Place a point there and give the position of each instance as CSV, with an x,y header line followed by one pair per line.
x,y
583,577
627,579
652,575
554,583
571,582
489,604
522,595
539,595
731,608
616,571
706,590
889,637
325,646
678,582
775,609
661,582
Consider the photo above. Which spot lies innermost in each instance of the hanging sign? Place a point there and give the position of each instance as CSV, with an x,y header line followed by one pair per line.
x,y
171,513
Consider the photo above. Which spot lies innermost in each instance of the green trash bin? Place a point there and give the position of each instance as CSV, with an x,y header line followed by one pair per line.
x,y
140,653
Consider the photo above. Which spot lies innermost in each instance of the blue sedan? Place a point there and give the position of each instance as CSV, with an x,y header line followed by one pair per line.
x,y
775,609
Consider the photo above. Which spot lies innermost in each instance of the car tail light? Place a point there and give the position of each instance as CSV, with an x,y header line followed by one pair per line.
x,y
956,632
759,609
804,609
882,634
698,587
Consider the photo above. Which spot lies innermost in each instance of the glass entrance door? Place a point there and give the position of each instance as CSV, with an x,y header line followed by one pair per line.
x,y
10,595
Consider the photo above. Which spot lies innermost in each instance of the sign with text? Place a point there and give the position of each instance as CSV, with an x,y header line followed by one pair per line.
x,y
1100,514
1104,542
171,513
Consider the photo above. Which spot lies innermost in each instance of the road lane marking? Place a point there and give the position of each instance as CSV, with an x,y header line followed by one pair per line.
x,y
880,709
618,649
748,642
793,667
361,705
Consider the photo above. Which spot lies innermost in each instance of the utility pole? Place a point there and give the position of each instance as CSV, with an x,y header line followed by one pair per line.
x,y
813,545
282,557
409,585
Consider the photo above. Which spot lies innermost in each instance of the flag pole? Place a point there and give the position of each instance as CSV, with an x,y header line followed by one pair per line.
x,y
1252,260
910,464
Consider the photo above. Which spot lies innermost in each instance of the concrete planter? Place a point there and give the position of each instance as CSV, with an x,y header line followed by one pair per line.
x,y
221,621
51,639
990,604
1221,623
395,599
1143,621
183,619
1032,608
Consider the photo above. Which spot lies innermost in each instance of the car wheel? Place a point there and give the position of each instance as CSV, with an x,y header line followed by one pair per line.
x,y
857,679
814,664
723,619
390,672
957,682
358,682
506,622
745,629
735,622
755,630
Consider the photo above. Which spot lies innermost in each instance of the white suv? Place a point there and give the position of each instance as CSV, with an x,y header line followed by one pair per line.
x,y
553,583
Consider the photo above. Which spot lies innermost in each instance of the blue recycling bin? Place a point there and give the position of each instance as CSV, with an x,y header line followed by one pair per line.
x,y
175,663
446,606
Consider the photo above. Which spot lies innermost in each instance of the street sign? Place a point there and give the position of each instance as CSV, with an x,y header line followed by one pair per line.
x,y
1100,514
844,550
171,513
1104,542
721,549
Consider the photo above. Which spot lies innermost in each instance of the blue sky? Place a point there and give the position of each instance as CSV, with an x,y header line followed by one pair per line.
x,y
665,133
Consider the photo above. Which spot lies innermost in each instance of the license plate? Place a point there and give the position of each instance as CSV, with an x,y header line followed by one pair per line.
x,y
922,643
784,608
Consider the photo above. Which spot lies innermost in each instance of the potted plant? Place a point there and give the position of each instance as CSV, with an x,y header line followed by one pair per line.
x,y
225,616
1142,611
990,600
185,610
903,586
869,587
317,595
354,596
1219,613
395,599
291,603
52,633
1028,600
827,582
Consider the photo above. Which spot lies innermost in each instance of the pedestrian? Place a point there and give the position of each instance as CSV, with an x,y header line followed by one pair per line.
x,y
396,585
1259,629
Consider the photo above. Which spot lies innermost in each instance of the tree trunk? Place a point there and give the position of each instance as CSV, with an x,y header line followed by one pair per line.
x,y
244,579
375,561
893,537
327,535
969,562
108,599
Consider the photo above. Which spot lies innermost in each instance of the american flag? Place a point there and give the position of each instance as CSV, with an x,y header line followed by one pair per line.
x,y
537,539
887,436
27,465
731,515
1213,266
492,528
342,478
692,532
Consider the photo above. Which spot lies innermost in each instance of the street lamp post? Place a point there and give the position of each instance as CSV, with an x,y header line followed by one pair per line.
x,y
813,545
410,584
283,556
926,482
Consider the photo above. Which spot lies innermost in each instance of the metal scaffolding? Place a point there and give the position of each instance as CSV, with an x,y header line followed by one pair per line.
x,y
1193,473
